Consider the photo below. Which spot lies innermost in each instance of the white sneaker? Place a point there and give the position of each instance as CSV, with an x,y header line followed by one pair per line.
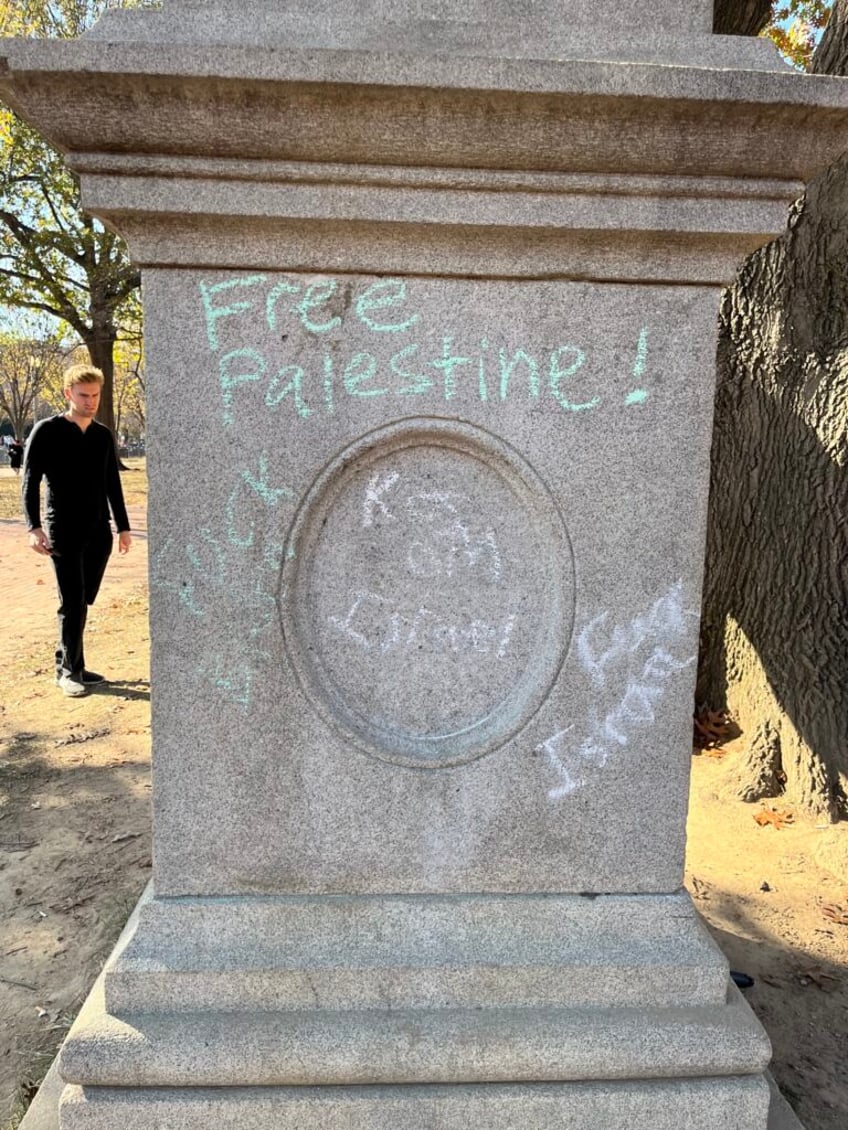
x,y
70,686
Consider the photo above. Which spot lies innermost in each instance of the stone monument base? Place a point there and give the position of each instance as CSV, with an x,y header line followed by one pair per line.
x,y
611,1011
698,1104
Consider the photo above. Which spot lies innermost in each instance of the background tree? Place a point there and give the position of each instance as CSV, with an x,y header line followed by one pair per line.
x,y
30,370
796,27
774,646
741,17
130,389
54,258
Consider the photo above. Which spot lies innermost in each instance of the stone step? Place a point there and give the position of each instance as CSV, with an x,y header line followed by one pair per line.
x,y
233,1049
389,953
696,1104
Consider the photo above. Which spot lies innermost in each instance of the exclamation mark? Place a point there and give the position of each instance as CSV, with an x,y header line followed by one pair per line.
x,y
639,395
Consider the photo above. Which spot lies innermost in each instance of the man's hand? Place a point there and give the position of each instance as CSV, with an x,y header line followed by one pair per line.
x,y
124,542
38,541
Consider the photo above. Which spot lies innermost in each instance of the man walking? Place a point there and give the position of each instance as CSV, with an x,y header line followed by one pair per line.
x,y
76,455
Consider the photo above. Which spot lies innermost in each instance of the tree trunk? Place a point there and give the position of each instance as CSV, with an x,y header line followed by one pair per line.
x,y
740,17
101,346
101,350
774,646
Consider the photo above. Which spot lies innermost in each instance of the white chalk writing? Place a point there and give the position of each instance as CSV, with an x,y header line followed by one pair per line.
x,y
440,540
374,492
375,625
629,666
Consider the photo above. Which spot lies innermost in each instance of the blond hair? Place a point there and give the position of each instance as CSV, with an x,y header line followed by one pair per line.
x,y
83,374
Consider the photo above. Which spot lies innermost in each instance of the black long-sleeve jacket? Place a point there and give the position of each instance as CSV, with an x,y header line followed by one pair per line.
x,y
81,469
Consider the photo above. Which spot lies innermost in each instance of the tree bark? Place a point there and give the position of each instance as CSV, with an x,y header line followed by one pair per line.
x,y
774,648
740,17
101,351
759,772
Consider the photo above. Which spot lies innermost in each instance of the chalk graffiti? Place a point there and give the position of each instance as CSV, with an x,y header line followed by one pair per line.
x,y
383,295
440,540
233,679
229,576
599,646
629,666
308,382
375,624
377,487
240,530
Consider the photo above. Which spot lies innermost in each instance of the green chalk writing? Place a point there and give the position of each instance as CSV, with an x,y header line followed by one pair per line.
x,y
285,286
229,380
361,368
317,294
448,363
420,382
278,391
379,296
557,374
641,354
213,313
327,322
508,366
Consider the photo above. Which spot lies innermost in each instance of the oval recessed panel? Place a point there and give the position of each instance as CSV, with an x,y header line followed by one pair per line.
x,y
427,593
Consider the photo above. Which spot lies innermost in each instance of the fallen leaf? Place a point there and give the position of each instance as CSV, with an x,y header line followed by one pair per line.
x,y
773,816
714,751
119,839
836,914
712,729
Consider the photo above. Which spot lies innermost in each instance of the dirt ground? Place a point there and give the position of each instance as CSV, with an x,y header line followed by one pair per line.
x,y
75,845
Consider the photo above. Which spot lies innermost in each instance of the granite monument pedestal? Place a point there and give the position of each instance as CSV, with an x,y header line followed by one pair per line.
x,y
430,297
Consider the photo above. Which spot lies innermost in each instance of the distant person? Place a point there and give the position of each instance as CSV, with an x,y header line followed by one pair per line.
x,y
16,455
76,455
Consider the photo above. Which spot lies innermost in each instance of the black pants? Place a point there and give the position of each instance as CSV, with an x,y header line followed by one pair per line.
x,y
80,564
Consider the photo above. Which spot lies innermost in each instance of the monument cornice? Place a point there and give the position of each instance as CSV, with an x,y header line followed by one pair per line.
x,y
656,229
392,108
602,170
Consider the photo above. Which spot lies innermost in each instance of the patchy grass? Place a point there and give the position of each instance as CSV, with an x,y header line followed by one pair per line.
x,y
134,481
10,496
34,1059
